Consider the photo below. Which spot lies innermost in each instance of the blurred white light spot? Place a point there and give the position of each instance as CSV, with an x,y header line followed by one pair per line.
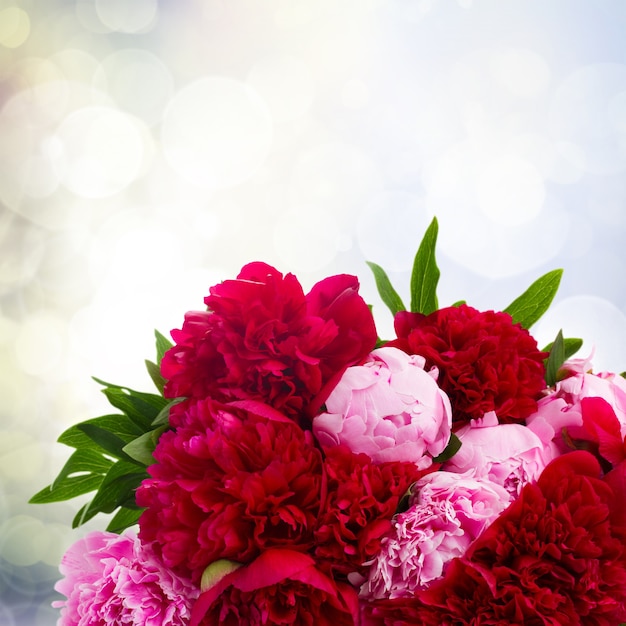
x,y
216,132
39,345
569,163
388,229
286,85
14,27
490,247
597,321
523,72
127,17
587,110
138,81
103,151
306,238
337,176
41,179
510,191
355,94
616,110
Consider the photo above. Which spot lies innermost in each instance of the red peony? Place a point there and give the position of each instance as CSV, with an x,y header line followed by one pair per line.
x,y
485,361
280,587
555,556
229,483
362,499
263,339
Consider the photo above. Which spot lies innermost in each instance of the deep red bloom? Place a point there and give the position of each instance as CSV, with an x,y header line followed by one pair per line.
x,y
555,556
229,483
263,339
485,361
280,587
362,499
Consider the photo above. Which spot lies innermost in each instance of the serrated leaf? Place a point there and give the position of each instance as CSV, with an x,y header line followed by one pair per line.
x,y
154,372
450,450
387,293
425,274
534,302
68,488
123,519
163,344
141,449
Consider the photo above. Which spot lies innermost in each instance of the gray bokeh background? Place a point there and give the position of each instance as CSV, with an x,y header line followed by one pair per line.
x,y
150,148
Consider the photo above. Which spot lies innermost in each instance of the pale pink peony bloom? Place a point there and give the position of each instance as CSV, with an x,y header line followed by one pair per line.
x,y
509,455
390,408
560,409
446,513
113,579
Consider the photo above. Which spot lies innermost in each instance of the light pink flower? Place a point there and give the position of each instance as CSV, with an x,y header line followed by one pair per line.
x,y
390,408
113,579
446,513
560,409
509,455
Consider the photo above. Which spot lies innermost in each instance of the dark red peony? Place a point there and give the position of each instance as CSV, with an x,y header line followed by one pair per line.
x,y
362,499
485,361
280,587
230,483
555,556
262,338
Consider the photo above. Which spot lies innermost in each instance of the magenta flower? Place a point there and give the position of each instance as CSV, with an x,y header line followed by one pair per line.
x,y
113,579
446,513
390,408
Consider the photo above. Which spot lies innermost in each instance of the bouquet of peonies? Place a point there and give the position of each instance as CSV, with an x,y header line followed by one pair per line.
x,y
296,469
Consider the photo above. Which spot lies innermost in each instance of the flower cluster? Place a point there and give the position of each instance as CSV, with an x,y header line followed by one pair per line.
x,y
309,473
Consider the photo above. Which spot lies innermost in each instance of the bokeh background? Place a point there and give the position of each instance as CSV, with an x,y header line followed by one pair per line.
x,y
149,148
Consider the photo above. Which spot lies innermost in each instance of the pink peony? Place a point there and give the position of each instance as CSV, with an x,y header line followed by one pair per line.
x,y
390,408
560,413
446,513
507,454
113,579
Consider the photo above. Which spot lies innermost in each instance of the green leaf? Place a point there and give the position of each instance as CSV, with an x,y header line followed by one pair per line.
x,y
67,488
141,449
84,461
155,374
123,519
141,407
163,344
105,439
571,345
120,425
534,302
387,293
555,359
451,449
117,488
459,303
425,274
163,418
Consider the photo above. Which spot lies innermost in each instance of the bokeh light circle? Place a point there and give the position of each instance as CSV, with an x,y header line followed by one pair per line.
x,y
103,151
510,190
127,17
139,82
216,132
285,83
